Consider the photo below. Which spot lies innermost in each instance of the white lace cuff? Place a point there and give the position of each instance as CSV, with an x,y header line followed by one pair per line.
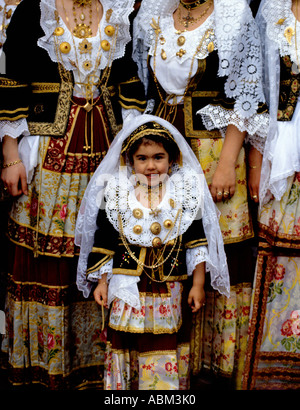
x,y
218,117
13,129
256,141
107,268
195,256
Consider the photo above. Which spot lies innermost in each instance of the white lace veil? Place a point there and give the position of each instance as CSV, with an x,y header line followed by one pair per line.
x,y
92,200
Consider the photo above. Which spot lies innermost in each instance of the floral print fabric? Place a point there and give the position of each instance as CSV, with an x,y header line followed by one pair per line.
x,y
143,349
274,336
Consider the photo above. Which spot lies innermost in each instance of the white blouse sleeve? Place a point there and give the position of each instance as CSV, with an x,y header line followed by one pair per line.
x,y
195,256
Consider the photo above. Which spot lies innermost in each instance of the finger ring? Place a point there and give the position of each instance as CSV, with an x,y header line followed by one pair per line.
x,y
226,193
220,193
254,197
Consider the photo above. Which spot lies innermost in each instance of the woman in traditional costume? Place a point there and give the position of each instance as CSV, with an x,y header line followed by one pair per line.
x,y
69,83
200,62
274,337
161,228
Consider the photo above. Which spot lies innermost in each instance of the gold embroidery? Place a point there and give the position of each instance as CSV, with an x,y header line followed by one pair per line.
x,y
45,87
58,127
102,250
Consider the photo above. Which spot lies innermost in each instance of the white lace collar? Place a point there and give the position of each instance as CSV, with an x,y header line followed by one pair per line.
x,y
180,204
119,18
280,28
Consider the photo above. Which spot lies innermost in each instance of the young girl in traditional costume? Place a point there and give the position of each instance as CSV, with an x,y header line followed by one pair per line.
x,y
156,230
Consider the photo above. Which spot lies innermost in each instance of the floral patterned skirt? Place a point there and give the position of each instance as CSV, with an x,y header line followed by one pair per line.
x,y
149,348
273,359
53,335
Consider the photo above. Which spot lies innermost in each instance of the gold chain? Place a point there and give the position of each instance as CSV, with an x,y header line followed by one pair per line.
x,y
185,21
158,264
193,5
83,30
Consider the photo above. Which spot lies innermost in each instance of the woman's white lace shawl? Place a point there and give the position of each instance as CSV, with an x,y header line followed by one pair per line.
x,y
239,50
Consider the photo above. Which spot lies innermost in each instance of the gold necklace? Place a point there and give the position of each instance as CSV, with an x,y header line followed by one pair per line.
x,y
193,5
82,30
188,19
92,81
151,195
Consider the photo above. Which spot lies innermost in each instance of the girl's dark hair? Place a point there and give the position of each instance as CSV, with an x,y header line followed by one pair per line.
x,y
169,145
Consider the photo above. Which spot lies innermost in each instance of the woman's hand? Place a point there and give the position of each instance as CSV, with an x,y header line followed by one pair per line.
x,y
14,176
223,182
224,179
100,292
254,173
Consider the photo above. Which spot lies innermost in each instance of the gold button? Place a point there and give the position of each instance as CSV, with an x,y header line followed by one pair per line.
x,y
109,30
163,55
172,202
181,40
156,243
137,229
211,47
168,224
105,45
59,31
65,47
155,228
137,213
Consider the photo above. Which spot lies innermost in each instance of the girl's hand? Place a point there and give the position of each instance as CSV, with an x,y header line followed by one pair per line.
x,y
196,298
100,292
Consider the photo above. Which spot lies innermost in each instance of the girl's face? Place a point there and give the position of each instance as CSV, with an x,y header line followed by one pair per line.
x,y
151,163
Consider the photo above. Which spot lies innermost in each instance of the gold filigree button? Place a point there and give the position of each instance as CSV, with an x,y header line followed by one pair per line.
x,y
65,47
155,228
109,30
181,40
137,229
105,45
137,213
172,202
168,224
156,243
163,55
59,31
211,47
